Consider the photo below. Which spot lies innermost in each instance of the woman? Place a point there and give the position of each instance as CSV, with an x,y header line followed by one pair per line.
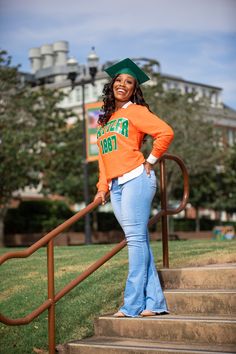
x,y
131,180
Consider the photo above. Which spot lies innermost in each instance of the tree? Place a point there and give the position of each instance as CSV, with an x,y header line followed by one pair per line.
x,y
225,180
32,126
195,140
63,173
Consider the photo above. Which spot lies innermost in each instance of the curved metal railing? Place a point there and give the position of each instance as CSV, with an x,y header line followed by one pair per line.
x,y
48,240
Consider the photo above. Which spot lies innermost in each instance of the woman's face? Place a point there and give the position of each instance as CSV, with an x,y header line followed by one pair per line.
x,y
123,88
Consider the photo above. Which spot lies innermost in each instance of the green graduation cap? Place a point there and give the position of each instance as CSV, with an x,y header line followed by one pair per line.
x,y
127,66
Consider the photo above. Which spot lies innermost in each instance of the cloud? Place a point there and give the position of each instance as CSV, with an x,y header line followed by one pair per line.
x,y
192,39
201,15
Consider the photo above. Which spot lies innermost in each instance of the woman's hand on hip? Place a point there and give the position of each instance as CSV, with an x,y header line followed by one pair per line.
x,y
102,195
148,167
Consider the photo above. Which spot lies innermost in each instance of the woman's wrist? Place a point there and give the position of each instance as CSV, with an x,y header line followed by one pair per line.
x,y
152,159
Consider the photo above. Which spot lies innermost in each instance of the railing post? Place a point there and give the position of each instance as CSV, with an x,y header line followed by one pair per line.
x,y
164,224
51,296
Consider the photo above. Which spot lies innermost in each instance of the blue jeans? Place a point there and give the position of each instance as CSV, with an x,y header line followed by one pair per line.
x,y
131,203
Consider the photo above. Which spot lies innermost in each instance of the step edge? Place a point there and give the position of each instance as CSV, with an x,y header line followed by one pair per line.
x,y
156,345
200,291
155,349
210,319
207,267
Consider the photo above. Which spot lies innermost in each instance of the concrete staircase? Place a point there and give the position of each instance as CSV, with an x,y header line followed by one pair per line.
x,y
202,302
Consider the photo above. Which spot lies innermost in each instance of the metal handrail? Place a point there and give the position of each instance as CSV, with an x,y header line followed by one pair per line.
x,y
49,238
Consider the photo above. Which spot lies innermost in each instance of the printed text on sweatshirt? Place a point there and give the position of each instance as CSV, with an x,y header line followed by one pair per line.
x,y
120,140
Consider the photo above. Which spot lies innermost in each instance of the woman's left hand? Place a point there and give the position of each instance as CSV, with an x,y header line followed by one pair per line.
x,y
148,167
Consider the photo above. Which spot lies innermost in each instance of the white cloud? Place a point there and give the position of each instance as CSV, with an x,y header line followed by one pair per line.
x,y
191,38
192,15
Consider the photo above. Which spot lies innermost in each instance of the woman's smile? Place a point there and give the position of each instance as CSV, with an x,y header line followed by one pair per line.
x,y
123,88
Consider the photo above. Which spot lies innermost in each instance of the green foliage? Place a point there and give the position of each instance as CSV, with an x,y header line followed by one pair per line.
x,y
206,224
43,216
194,136
36,216
226,183
107,222
32,125
194,142
63,173
36,143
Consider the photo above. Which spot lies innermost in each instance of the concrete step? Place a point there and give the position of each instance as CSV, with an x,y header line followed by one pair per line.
x,y
109,345
201,302
210,277
214,330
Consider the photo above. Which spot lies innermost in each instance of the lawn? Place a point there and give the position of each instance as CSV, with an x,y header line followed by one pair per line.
x,y
24,287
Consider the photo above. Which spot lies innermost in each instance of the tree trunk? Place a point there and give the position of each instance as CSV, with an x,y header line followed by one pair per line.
x,y
3,212
1,230
197,227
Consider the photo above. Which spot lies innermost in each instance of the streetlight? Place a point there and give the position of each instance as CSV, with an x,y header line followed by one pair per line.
x,y
73,70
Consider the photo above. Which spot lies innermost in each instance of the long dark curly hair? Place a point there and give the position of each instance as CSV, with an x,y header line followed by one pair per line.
x,y
108,107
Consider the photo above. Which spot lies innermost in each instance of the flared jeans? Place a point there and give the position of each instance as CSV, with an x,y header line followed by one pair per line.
x,y
131,203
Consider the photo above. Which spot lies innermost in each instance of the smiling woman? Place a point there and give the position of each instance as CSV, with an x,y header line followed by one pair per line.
x,y
123,89
126,119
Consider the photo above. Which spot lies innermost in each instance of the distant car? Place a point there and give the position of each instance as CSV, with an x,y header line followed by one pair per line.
x,y
225,232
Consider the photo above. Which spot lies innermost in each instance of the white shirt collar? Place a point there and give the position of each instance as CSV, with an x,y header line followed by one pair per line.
x,y
127,104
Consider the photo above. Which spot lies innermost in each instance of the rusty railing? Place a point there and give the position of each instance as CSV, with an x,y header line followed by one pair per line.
x,y
48,239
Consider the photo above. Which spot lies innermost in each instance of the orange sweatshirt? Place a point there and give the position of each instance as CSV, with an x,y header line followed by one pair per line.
x,y
120,140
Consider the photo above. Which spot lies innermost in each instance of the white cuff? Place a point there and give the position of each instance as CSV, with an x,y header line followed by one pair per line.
x,y
152,159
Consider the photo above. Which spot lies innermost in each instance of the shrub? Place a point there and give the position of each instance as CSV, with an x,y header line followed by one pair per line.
x,y
36,216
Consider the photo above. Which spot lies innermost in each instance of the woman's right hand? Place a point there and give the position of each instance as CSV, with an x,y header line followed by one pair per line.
x,y
102,195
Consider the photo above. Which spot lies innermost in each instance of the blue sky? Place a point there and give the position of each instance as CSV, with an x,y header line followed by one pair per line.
x,y
193,39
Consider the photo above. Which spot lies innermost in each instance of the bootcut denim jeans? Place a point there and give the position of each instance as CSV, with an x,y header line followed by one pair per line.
x,y
131,203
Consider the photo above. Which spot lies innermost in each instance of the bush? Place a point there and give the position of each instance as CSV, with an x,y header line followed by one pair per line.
x,y
184,224
36,216
107,222
45,215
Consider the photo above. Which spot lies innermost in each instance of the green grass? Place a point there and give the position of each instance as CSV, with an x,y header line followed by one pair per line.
x,y
24,287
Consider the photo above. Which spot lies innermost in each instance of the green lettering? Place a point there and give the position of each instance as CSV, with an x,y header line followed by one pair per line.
x,y
113,137
100,132
112,127
107,126
101,142
118,127
125,128
105,146
108,144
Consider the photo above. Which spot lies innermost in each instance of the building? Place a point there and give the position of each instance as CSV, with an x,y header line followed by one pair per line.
x,y
51,66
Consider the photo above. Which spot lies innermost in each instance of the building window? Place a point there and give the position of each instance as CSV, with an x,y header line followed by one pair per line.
x,y
168,85
176,86
231,137
78,94
86,92
220,136
70,97
94,90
